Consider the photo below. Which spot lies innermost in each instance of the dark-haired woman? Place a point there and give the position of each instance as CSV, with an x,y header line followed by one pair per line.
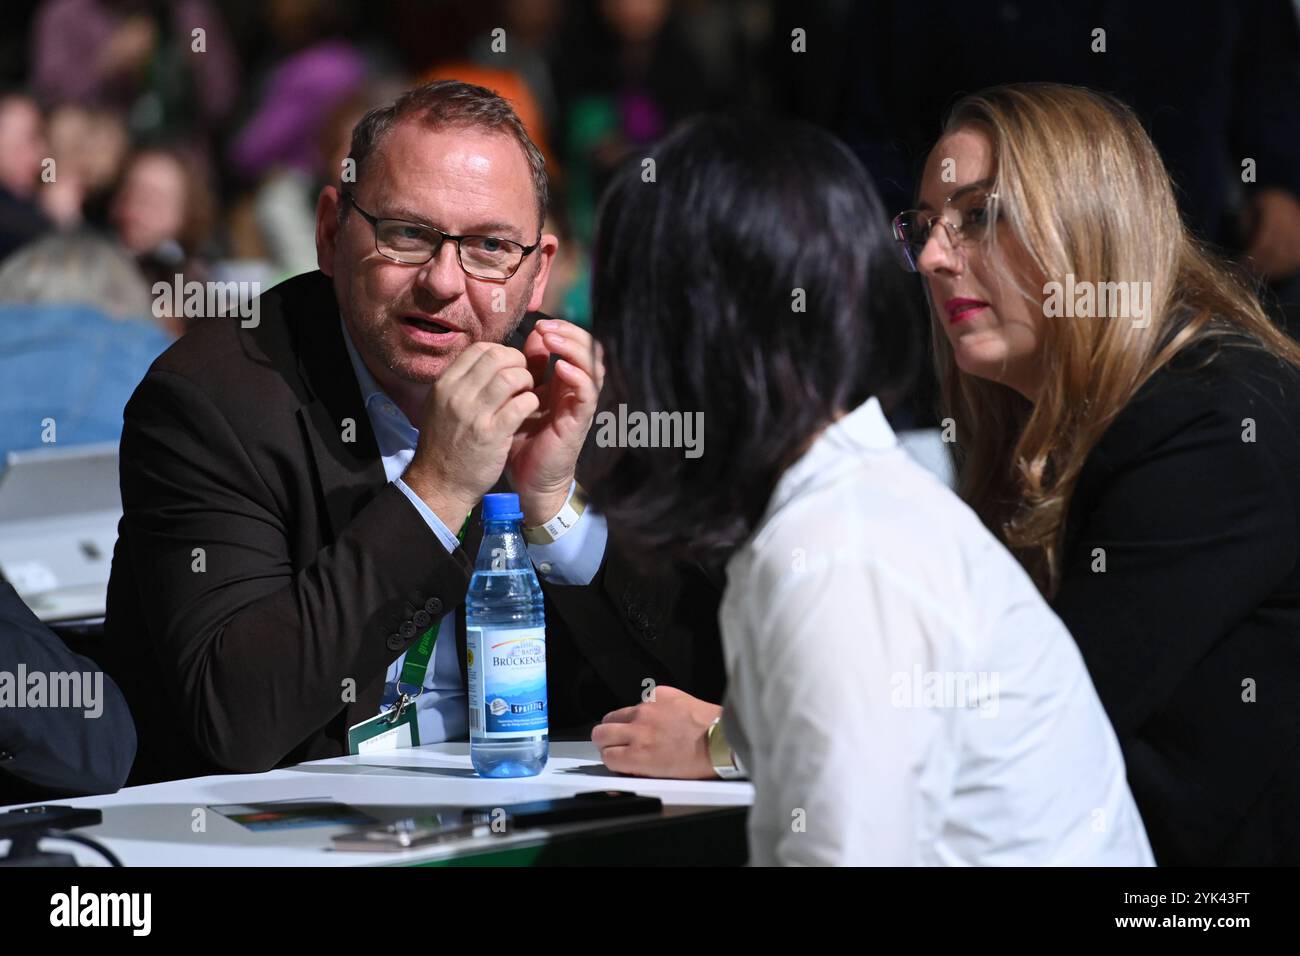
x,y
897,688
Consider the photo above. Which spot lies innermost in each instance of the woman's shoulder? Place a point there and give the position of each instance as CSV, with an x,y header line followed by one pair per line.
x,y
1225,391
880,528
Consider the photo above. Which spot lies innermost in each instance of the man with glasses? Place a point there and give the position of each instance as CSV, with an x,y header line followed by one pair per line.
x,y
301,496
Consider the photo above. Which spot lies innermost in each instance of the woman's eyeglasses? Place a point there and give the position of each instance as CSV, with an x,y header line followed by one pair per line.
x,y
967,215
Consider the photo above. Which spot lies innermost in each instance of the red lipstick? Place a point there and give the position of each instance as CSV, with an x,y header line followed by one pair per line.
x,y
959,309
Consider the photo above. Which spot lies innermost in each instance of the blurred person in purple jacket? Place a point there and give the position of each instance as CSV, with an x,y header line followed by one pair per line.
x,y
166,64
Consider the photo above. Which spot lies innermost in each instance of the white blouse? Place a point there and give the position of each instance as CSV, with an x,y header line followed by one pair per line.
x,y
898,690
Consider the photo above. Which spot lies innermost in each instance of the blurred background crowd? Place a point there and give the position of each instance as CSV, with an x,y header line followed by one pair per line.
x,y
142,139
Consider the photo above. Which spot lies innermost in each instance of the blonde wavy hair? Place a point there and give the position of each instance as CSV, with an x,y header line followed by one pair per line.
x,y
1082,188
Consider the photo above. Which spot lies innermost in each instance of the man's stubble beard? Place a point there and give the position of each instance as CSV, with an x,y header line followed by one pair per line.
x,y
383,338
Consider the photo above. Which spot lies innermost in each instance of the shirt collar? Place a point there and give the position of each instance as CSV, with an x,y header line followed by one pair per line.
x,y
863,430
369,387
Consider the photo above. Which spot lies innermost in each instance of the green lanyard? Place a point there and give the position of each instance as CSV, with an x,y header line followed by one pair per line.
x,y
416,665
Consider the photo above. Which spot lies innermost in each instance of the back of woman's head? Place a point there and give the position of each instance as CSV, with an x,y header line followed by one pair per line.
x,y
742,272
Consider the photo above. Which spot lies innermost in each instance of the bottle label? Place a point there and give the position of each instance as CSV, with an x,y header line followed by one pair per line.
x,y
506,668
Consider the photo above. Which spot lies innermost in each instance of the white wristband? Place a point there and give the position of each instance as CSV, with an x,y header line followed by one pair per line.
x,y
558,526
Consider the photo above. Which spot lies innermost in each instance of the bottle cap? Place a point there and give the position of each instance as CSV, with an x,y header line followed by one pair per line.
x,y
502,507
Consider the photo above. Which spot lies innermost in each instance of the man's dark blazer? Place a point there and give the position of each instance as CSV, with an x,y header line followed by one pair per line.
x,y
264,562
52,752
1192,631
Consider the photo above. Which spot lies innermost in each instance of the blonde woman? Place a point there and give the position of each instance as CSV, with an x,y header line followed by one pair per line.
x,y
1128,423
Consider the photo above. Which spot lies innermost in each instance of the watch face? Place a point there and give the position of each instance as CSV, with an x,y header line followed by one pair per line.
x,y
719,750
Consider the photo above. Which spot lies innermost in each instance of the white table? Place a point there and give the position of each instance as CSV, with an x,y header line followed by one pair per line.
x,y
155,825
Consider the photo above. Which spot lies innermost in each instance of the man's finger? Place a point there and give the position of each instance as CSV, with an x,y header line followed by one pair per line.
x,y
578,380
537,356
612,735
619,760
490,364
505,385
514,412
563,327
621,716
576,352
463,363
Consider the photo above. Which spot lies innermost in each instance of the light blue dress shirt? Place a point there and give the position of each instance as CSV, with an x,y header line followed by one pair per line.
x,y
442,707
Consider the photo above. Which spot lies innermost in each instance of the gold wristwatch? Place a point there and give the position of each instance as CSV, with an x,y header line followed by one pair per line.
x,y
725,762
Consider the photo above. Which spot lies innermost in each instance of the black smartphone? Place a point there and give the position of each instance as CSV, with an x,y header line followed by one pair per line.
x,y
592,805
47,817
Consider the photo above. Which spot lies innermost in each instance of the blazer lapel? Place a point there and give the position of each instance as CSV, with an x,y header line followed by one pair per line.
x,y
349,472
337,428
344,452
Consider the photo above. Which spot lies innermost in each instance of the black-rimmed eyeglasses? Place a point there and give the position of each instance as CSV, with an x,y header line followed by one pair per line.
x,y
415,243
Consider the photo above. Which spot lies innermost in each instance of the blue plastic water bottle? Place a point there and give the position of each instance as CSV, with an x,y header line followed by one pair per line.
x,y
505,630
